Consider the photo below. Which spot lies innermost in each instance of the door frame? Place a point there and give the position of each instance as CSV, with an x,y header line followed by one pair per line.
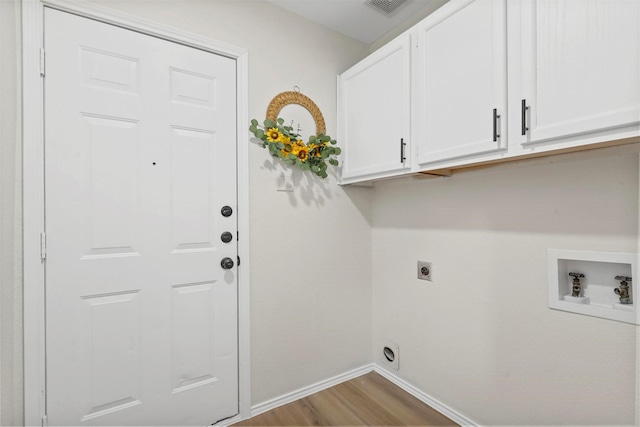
x,y
34,189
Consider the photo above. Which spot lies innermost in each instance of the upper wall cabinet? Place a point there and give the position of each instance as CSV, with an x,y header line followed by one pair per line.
x,y
494,80
374,114
461,81
573,71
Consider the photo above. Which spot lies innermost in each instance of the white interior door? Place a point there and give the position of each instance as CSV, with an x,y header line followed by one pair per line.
x,y
140,158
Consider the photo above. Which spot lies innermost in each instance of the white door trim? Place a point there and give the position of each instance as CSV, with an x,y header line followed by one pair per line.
x,y
33,188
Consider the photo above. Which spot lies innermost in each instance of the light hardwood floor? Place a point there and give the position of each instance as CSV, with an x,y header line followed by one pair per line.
x,y
369,400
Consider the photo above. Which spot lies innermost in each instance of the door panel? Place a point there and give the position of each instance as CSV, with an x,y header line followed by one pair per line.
x,y
112,344
375,108
462,79
579,67
140,156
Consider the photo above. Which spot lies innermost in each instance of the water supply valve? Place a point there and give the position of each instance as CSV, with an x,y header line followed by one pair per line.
x,y
576,287
623,290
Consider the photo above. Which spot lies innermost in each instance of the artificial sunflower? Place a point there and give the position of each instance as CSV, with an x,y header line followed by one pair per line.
x,y
303,154
285,144
285,139
286,151
315,150
273,134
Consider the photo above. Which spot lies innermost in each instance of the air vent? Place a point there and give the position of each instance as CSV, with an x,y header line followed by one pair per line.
x,y
386,7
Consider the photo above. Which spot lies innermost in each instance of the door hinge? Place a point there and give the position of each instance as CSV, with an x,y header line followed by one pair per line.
x,y
42,62
238,260
45,422
43,246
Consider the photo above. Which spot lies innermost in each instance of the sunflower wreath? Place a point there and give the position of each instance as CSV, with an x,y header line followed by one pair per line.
x,y
284,144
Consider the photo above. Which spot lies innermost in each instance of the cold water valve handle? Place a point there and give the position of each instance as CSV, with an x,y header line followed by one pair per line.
x,y
623,290
576,286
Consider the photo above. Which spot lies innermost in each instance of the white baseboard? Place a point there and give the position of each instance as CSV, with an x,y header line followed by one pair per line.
x,y
322,385
434,403
309,390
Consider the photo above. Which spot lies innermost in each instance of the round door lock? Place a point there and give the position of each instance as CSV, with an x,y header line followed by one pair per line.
x,y
226,263
226,237
226,211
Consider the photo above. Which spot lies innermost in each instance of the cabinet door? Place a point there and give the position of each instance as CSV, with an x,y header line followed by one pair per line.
x,y
578,71
462,81
374,102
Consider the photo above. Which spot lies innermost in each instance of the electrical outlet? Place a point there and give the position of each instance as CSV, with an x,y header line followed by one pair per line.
x,y
283,181
425,271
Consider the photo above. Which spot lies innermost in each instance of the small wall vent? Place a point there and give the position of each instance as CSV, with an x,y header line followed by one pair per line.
x,y
386,7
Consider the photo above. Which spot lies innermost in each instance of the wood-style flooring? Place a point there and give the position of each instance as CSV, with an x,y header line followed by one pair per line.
x,y
369,400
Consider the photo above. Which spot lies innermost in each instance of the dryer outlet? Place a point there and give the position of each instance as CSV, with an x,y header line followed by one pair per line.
x,y
390,354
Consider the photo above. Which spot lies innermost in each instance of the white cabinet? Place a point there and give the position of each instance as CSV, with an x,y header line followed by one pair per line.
x,y
491,80
574,72
462,83
374,114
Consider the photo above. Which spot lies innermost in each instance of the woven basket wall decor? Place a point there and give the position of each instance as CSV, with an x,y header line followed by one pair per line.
x,y
295,97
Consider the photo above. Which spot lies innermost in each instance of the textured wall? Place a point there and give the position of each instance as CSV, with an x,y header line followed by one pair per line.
x,y
481,338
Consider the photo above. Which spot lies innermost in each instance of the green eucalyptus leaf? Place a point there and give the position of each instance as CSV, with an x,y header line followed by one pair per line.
x,y
280,120
268,123
337,150
334,162
333,142
312,139
260,133
254,122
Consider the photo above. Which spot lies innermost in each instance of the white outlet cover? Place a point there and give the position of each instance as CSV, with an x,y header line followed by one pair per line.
x,y
390,354
428,275
284,182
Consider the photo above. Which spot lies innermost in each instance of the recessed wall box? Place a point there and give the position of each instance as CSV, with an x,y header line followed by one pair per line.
x,y
585,282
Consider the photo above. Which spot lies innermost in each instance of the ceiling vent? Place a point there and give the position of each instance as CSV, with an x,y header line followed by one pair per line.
x,y
386,7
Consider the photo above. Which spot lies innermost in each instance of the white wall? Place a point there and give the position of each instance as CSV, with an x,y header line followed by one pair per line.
x,y
310,249
430,7
481,338
10,219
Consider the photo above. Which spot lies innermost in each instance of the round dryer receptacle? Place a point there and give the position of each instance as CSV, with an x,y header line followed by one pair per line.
x,y
389,354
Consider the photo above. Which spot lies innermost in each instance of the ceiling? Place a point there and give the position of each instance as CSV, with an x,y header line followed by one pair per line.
x,y
356,18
